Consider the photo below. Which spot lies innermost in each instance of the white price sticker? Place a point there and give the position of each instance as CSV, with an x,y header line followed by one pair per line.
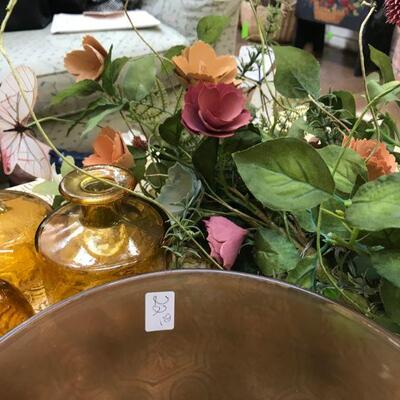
x,y
159,311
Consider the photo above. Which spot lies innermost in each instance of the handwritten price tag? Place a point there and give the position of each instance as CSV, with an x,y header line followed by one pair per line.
x,y
159,311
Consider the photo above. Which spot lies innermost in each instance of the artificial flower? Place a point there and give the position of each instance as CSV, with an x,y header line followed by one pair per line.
x,y
110,148
200,63
378,159
139,143
225,239
392,10
87,63
214,109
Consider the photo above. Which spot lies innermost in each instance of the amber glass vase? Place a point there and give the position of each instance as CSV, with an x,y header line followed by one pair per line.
x,y
103,234
14,308
20,216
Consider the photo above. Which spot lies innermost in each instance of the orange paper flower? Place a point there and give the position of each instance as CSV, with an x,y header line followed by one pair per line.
x,y
378,159
109,148
200,63
87,63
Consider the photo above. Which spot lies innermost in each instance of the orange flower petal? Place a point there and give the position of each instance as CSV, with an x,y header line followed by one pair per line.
x,y
378,159
91,41
102,146
87,63
93,159
200,63
109,148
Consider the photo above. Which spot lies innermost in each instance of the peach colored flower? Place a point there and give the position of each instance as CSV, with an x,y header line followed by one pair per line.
x,y
87,63
378,159
200,63
109,148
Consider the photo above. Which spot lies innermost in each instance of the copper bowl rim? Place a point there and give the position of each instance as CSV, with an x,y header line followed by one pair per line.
x,y
340,309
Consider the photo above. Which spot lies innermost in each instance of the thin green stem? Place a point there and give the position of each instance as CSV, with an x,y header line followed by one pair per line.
x,y
362,62
325,270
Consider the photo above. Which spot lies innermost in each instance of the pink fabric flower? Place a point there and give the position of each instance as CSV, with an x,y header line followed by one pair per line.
x,y
225,239
214,109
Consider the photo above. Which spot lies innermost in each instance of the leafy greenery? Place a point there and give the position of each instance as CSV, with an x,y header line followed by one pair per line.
x,y
274,169
139,77
350,168
81,88
210,28
171,129
274,253
383,62
297,73
375,205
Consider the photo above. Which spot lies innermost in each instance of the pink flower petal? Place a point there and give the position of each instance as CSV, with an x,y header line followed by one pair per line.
x,y
215,110
191,119
209,98
231,106
242,120
225,239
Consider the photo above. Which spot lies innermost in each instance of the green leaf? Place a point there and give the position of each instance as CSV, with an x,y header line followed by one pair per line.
x,y
92,109
297,72
180,189
106,75
387,238
336,295
111,72
81,88
348,103
376,205
331,224
375,89
390,295
210,28
47,188
306,220
241,140
66,168
140,157
351,165
298,128
205,158
117,66
387,265
169,54
304,273
383,62
285,174
274,253
139,77
99,115
171,129
153,172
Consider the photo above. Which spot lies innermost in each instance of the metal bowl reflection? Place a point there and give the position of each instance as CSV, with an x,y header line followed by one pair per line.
x,y
235,337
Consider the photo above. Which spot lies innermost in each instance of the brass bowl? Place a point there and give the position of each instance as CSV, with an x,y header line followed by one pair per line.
x,y
236,337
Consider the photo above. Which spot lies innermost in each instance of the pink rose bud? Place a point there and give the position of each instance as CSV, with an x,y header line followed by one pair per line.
x,y
214,109
225,239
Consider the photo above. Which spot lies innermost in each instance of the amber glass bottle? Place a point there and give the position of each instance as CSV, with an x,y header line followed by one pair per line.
x,y
103,234
20,216
14,308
